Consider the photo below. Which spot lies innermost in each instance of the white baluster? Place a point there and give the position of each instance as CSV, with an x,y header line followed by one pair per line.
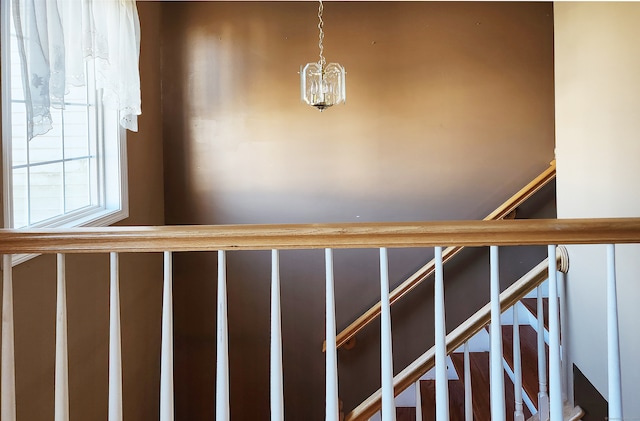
x,y
61,391
543,397
115,344
517,366
8,383
166,356
388,410
563,335
498,412
222,343
418,402
277,391
613,341
555,379
468,397
442,389
332,409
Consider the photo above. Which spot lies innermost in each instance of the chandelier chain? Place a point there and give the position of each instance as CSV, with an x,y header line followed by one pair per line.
x,y
322,61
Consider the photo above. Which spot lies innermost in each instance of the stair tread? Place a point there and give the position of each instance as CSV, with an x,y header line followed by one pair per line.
x,y
456,400
405,413
479,362
532,305
428,398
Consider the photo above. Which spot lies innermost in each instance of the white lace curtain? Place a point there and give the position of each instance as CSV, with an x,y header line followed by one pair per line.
x,y
56,37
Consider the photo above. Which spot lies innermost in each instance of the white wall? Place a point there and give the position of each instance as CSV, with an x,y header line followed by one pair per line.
x,y
597,71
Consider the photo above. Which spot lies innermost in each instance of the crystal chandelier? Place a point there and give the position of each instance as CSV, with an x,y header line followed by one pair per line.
x,y
322,85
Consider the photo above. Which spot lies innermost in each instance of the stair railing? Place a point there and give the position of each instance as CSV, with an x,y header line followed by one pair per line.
x,y
461,335
166,240
501,212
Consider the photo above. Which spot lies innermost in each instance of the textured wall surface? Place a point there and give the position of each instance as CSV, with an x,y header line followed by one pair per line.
x,y
449,111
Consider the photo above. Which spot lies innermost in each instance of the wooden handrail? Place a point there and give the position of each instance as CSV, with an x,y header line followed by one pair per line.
x,y
460,335
316,236
427,270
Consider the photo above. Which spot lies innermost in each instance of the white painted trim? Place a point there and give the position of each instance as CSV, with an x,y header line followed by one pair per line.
x,y
115,343
442,382
61,390
517,366
222,343
468,391
332,408
388,410
543,396
8,380
564,334
555,376
614,375
276,378
166,354
418,394
498,412
7,201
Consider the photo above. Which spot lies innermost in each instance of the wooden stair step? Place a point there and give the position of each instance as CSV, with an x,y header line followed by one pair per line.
x,y
479,382
404,413
428,398
479,362
532,305
456,400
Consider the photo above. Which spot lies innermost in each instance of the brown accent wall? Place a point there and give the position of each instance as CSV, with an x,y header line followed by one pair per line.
x,y
88,288
449,111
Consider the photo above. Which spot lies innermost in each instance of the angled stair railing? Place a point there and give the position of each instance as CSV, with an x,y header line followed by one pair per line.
x,y
465,331
168,239
501,212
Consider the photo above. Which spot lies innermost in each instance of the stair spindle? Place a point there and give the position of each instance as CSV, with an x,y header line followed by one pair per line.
x,y
442,389
115,343
277,390
498,412
388,410
418,401
517,366
555,381
166,356
222,343
562,293
468,395
61,388
543,397
614,379
332,409
8,382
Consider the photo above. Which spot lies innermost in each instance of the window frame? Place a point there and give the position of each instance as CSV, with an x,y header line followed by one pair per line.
x,y
112,179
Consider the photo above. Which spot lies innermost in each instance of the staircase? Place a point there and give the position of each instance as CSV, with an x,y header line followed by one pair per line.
x,y
479,369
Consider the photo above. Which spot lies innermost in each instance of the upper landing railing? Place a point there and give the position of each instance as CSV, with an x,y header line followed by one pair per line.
x,y
114,240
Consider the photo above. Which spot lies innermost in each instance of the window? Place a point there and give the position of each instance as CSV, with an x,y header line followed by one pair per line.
x,y
73,175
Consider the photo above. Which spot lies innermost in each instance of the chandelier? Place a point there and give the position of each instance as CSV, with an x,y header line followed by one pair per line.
x,y
322,85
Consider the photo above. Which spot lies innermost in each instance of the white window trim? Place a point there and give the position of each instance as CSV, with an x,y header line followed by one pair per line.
x,y
116,197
